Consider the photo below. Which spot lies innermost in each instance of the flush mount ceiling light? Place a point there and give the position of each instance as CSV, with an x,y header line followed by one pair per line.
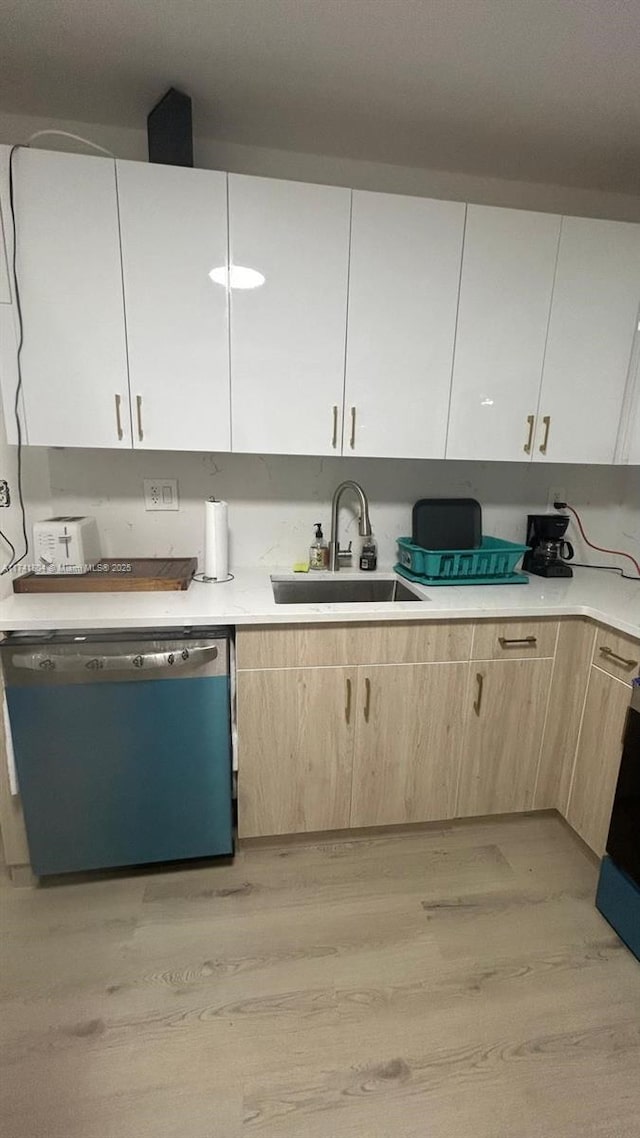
x,y
236,276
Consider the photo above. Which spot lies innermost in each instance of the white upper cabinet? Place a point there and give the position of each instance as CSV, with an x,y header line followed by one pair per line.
x,y
181,309
5,225
633,432
594,316
74,360
628,444
5,291
8,324
404,276
9,339
173,225
288,327
505,294
634,448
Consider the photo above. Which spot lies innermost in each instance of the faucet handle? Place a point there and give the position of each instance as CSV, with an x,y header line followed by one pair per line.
x,y
345,555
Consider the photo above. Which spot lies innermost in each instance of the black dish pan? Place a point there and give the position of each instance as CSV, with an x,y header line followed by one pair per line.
x,y
447,523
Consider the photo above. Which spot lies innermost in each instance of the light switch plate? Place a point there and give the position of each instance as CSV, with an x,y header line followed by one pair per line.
x,y
161,494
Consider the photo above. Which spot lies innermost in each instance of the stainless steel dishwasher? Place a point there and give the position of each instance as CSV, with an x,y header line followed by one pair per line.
x,y
122,743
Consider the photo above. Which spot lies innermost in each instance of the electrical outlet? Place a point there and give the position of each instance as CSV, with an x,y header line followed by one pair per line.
x,y
555,495
5,494
161,494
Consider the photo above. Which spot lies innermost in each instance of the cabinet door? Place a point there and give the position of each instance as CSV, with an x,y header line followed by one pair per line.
x,y
634,443
8,318
594,316
629,441
408,740
9,338
74,359
598,759
564,714
505,294
5,291
404,274
173,224
288,332
295,735
506,709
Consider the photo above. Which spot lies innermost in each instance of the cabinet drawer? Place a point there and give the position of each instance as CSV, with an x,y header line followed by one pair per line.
x,y
511,639
309,645
617,654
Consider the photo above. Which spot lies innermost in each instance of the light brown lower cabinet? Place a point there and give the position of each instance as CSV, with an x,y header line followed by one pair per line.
x,y
409,731
296,732
331,748
597,762
569,683
505,719
340,742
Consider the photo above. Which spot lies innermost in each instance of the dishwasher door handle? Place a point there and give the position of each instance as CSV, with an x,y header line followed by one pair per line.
x,y
171,658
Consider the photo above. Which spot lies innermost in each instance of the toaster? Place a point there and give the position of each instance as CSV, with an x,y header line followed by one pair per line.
x,y
65,545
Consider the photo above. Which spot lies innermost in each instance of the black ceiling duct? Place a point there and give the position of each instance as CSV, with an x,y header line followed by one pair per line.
x,y
170,130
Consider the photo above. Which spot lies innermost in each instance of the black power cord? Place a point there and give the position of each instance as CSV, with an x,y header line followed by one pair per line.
x,y
607,569
15,560
599,548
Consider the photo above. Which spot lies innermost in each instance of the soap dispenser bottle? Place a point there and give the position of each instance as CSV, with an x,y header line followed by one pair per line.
x,y
369,554
318,550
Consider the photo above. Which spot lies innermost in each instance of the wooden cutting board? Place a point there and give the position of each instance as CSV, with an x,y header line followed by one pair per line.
x,y
115,575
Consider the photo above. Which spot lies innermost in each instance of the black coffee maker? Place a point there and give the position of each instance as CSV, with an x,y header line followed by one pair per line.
x,y
549,552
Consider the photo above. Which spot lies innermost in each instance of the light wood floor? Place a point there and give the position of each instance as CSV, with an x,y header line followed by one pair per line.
x,y
451,984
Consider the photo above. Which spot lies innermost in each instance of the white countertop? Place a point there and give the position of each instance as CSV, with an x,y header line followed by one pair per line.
x,y
248,599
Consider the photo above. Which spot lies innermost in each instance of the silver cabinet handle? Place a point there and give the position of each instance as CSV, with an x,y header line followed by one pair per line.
x,y
611,655
352,440
334,437
477,703
347,706
531,420
367,699
119,417
139,412
547,427
505,642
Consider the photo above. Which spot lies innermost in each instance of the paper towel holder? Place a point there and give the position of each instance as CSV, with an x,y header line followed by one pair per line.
x,y
202,578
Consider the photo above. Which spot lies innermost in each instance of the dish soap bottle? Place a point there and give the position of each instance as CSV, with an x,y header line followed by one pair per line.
x,y
369,553
318,550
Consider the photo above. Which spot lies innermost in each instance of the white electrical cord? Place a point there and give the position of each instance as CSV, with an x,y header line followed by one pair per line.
x,y
68,134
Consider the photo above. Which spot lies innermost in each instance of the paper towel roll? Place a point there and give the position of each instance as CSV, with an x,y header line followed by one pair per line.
x,y
216,540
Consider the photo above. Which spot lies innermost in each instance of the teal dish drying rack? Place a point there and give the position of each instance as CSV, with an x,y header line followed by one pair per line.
x,y
492,563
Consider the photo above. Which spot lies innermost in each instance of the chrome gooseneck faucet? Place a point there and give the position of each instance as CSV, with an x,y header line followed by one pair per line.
x,y
364,525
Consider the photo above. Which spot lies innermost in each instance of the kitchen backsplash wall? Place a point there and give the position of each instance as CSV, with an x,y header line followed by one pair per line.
x,y
630,513
274,500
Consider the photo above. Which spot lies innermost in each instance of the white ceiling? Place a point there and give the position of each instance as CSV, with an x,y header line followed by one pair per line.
x,y
541,90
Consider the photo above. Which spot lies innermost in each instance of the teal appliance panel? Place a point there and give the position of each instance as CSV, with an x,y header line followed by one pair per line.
x,y
123,748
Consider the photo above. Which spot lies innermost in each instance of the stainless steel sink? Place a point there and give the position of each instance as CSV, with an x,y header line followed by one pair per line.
x,y
335,591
